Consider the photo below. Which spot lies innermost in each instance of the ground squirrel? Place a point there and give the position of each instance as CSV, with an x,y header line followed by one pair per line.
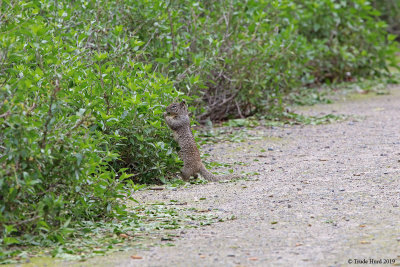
x,y
177,118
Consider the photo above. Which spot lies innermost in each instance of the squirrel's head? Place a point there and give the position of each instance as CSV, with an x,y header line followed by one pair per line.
x,y
177,108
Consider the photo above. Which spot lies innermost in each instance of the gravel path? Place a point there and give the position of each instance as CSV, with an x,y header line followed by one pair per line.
x,y
326,195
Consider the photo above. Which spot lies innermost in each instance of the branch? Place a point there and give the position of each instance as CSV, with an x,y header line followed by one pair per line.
x,y
27,220
77,124
50,113
172,33
214,106
5,115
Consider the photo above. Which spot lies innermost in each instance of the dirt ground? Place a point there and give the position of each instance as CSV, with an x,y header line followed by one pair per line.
x,y
326,195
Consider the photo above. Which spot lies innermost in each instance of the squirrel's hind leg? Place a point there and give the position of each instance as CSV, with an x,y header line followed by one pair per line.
x,y
186,173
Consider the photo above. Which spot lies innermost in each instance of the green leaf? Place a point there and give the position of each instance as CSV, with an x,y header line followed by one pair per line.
x,y
162,60
10,241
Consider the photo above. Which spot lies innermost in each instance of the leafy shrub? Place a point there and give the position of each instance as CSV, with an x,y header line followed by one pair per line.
x,y
237,58
346,38
390,12
77,114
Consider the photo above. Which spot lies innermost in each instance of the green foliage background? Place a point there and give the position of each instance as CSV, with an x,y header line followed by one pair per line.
x,y
83,85
390,12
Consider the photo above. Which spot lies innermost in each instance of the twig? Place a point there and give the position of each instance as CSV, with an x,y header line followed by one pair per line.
x,y
172,31
34,105
147,44
27,220
77,124
238,109
182,75
212,109
5,115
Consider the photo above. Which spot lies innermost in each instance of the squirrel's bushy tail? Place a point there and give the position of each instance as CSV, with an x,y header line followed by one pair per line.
x,y
213,178
207,175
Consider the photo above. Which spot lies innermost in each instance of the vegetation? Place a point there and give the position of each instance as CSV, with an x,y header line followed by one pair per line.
x,y
390,12
83,85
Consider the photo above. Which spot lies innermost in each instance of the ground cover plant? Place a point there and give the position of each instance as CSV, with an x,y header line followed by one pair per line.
x,y
83,85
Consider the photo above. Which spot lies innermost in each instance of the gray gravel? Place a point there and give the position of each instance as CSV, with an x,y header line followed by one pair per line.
x,y
325,196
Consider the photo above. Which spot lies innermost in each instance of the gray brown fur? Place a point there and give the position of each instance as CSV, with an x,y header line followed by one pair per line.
x,y
177,118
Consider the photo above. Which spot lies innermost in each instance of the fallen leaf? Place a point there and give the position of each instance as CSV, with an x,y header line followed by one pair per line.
x,y
202,256
365,242
124,235
253,259
203,210
298,244
362,225
175,203
156,188
136,257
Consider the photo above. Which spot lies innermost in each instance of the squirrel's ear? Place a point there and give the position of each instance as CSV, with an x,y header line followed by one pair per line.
x,y
183,103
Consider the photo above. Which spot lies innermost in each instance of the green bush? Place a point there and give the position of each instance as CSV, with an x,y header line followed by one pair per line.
x,y
346,38
390,12
237,58
77,116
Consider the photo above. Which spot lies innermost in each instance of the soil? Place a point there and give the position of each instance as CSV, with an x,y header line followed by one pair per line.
x,y
325,195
